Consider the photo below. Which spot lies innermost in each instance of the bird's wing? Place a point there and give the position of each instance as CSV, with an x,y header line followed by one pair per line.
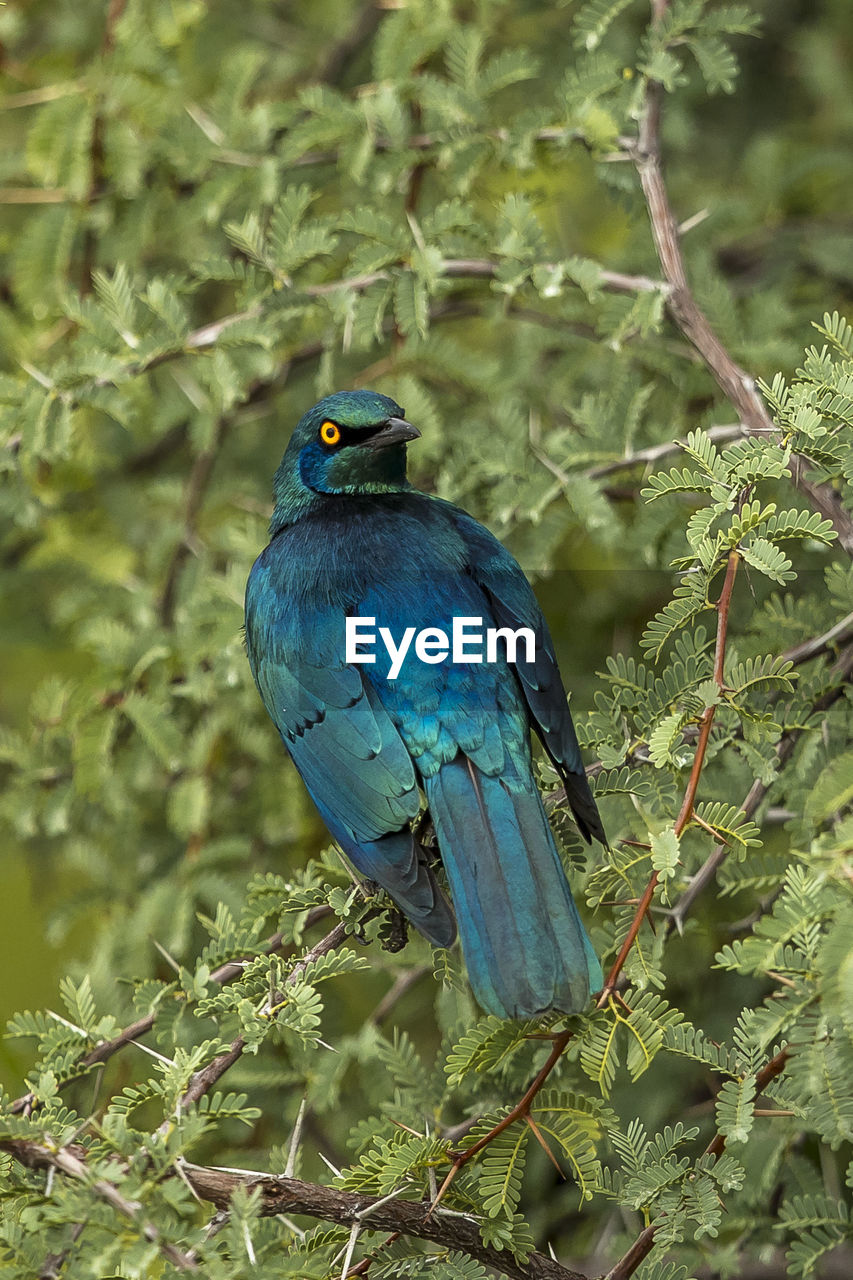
x,y
347,749
341,738
514,605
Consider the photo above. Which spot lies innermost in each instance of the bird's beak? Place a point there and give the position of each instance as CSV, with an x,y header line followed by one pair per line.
x,y
395,431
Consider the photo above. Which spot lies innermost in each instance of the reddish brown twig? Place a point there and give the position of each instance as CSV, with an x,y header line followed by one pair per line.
x,y
518,1112
768,1073
643,1245
686,811
362,1268
841,670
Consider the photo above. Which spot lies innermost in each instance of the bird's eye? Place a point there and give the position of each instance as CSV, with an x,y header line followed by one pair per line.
x,y
330,433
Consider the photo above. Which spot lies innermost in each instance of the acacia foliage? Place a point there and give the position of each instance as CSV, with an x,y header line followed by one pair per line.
x,y
233,217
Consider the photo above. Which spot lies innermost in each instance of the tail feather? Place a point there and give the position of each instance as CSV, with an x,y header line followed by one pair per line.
x,y
400,865
580,800
525,946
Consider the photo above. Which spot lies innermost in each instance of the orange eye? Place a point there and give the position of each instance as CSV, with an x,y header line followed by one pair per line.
x,y
330,433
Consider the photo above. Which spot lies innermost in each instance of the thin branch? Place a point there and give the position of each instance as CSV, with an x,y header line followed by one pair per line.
x,y
71,1163
798,654
104,1051
519,1112
686,811
343,51
97,181
196,488
841,671
33,195
452,268
836,635
738,385
643,1245
656,452
51,1268
207,1076
403,983
426,141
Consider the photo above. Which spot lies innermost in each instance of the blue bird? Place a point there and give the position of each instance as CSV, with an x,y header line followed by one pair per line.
x,y
351,539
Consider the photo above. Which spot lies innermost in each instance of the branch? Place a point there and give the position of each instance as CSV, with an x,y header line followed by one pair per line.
x,y
279,1194
419,1219
644,1243
452,1231
838,634
686,810
70,1162
451,269
738,385
426,141
645,457
519,1112
842,670
97,181
104,1051
207,1076
344,51
196,487
766,1076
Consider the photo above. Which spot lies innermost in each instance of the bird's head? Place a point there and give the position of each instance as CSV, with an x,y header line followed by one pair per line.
x,y
350,442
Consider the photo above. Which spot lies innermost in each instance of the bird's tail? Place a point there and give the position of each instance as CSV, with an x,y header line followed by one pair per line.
x,y
400,865
525,947
580,800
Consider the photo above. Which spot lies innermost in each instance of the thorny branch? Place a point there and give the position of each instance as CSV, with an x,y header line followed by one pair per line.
x,y
206,1077
286,1195
841,672
644,1243
281,1194
686,811
130,1034
518,1112
71,1162
738,385
740,389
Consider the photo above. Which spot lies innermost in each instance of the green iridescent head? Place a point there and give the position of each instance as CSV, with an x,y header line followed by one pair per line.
x,y
349,442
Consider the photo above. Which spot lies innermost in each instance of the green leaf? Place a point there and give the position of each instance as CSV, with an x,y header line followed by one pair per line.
x,y
769,560
502,1170
734,1108
411,308
664,737
665,851
833,788
152,720
593,20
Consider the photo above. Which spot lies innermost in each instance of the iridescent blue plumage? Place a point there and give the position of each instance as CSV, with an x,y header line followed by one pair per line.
x,y
349,536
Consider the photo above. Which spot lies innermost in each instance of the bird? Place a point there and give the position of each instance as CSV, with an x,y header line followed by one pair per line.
x,y
352,544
